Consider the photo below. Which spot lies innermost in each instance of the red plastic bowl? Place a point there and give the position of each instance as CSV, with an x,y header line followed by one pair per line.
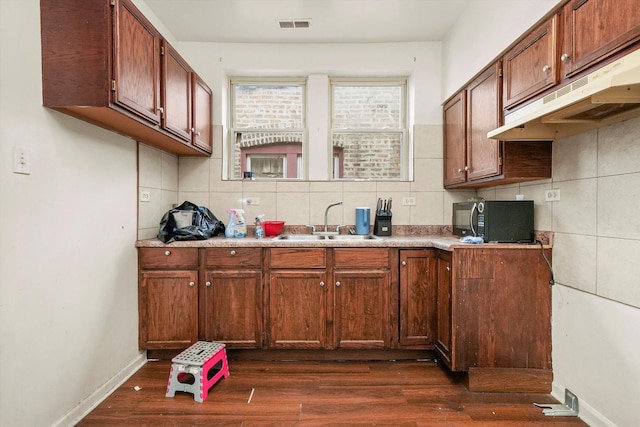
x,y
272,228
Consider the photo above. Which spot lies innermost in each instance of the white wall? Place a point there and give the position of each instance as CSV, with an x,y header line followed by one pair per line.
x,y
484,30
596,300
200,180
68,281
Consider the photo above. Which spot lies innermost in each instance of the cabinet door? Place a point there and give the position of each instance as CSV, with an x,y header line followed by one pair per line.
x,y
168,309
297,309
597,29
529,67
231,308
362,309
202,111
176,93
418,320
483,115
444,313
136,63
455,140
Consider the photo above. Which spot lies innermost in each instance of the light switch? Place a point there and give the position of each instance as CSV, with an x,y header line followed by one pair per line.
x,y
21,160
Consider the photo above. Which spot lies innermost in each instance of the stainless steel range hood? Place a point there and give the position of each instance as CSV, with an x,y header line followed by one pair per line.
x,y
608,95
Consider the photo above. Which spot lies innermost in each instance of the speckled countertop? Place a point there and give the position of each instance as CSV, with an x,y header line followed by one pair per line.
x,y
406,238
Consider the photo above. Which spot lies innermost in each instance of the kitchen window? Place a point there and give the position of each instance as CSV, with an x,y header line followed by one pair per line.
x,y
368,129
268,128
358,129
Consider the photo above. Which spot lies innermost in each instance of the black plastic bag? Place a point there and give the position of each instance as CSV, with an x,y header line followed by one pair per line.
x,y
204,225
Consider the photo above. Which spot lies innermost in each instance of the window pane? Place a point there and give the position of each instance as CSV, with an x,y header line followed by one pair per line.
x,y
250,146
375,156
268,106
367,107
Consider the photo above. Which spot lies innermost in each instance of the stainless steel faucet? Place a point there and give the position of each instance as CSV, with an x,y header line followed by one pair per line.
x,y
326,212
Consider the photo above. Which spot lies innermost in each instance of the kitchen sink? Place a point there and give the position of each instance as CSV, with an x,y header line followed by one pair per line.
x,y
307,237
299,237
353,237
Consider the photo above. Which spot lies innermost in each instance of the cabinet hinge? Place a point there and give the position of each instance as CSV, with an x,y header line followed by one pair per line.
x,y
113,85
499,72
500,161
162,51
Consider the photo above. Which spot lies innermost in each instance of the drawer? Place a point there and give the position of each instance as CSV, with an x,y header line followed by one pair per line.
x,y
232,257
298,258
357,258
168,258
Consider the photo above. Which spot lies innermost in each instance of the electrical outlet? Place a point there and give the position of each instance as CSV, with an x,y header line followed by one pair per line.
x,y
552,195
408,201
21,160
145,195
253,201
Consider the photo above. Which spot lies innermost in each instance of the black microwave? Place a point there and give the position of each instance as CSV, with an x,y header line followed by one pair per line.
x,y
503,221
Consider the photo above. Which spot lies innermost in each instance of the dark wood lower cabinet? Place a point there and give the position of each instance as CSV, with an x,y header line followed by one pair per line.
x,y
484,309
297,309
168,309
418,303
500,310
231,308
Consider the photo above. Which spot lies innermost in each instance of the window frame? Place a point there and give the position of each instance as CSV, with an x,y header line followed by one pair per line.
x,y
402,82
311,107
233,130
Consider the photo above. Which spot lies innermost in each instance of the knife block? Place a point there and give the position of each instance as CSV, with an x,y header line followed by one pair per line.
x,y
382,225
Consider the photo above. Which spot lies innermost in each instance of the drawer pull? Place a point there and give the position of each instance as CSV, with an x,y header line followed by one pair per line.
x,y
192,284
208,283
321,284
233,253
338,284
167,253
564,57
546,69
448,268
404,263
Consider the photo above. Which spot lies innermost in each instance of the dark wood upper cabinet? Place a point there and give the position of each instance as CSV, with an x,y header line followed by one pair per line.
x,y
595,30
454,112
177,91
202,113
483,115
136,55
530,66
102,62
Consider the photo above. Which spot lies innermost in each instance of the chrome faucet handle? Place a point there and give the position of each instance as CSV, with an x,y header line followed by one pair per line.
x,y
313,228
338,228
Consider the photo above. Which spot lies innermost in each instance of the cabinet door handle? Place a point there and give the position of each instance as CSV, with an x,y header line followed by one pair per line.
x,y
233,253
192,284
546,69
338,284
448,268
404,263
466,168
167,253
208,283
321,284
564,57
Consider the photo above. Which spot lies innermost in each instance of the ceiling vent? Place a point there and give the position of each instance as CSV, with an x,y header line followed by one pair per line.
x,y
294,23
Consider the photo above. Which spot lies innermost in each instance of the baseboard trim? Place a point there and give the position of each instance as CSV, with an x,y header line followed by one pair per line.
x,y
510,380
94,399
586,413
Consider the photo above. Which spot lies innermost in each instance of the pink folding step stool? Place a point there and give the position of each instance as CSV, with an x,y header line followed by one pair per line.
x,y
199,360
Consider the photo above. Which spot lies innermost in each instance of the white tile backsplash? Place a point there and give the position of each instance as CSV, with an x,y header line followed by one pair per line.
x,y
619,149
575,157
576,210
617,279
574,261
619,206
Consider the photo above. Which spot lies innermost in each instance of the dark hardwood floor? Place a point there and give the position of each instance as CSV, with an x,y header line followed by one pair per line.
x,y
302,393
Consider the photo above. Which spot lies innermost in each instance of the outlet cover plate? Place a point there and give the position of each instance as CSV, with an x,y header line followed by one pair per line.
x,y
552,195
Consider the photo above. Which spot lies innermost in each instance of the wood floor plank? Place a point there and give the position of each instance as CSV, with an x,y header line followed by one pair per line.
x,y
310,393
